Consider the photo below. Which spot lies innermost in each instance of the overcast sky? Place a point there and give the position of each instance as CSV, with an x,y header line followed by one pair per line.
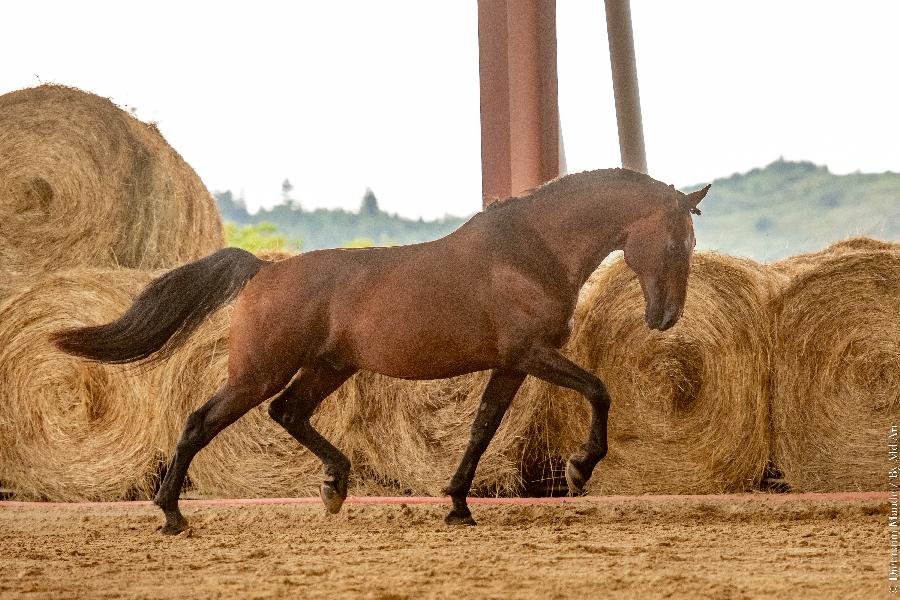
x,y
340,96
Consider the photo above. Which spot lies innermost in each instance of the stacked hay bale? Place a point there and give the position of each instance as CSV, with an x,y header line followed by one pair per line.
x,y
70,429
835,380
85,189
689,407
799,264
84,183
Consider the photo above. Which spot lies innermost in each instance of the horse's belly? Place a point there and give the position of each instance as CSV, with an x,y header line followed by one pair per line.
x,y
428,355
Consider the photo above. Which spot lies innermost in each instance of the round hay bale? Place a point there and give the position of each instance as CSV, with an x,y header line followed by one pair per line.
x,y
8,281
689,405
84,183
797,265
69,429
862,243
836,372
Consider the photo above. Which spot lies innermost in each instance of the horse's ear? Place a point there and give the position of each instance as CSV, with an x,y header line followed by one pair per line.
x,y
690,201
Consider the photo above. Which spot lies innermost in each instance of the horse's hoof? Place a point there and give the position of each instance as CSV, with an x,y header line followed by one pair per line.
x,y
574,479
454,518
175,528
175,522
331,498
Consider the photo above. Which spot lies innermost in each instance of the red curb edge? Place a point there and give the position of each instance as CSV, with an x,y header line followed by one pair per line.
x,y
390,500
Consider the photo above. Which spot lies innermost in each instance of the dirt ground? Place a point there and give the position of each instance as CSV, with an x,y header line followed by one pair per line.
x,y
690,548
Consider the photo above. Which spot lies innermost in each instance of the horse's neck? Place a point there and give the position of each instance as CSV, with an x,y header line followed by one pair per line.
x,y
580,231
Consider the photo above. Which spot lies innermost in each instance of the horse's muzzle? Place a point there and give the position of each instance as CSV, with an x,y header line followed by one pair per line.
x,y
663,322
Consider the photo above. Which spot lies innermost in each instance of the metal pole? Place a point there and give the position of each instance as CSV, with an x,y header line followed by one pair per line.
x,y
625,85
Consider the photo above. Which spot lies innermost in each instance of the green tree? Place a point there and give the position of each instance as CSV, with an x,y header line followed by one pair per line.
x,y
369,206
286,188
286,198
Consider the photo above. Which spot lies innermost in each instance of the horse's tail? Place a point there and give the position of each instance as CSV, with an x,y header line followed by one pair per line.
x,y
166,312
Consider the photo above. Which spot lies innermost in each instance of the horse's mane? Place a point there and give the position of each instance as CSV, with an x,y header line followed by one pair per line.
x,y
576,181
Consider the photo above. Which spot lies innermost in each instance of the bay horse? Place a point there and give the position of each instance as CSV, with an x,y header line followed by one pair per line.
x,y
498,293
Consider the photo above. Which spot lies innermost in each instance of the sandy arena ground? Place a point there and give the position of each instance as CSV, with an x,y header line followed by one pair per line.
x,y
708,547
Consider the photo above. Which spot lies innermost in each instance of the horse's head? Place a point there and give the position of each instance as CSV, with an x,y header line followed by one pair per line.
x,y
658,248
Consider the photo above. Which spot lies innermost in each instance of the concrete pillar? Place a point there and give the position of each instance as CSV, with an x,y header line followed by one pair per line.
x,y
520,138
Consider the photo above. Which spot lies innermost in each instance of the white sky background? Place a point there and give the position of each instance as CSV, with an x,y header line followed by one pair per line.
x,y
338,96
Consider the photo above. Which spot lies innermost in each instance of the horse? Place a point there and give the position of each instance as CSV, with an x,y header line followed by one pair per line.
x,y
496,294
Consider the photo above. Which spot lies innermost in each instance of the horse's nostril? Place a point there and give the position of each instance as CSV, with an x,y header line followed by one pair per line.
x,y
670,318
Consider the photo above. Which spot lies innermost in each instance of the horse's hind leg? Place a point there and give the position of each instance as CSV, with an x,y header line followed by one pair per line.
x,y
497,397
292,410
222,409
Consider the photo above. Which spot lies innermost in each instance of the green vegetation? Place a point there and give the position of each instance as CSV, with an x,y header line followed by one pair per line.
x,y
785,208
261,237
364,242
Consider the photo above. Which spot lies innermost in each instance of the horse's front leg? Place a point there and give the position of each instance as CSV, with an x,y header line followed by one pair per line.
x,y
497,397
550,365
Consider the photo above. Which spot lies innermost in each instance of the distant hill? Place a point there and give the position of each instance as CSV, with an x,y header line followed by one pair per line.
x,y
785,208
792,207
